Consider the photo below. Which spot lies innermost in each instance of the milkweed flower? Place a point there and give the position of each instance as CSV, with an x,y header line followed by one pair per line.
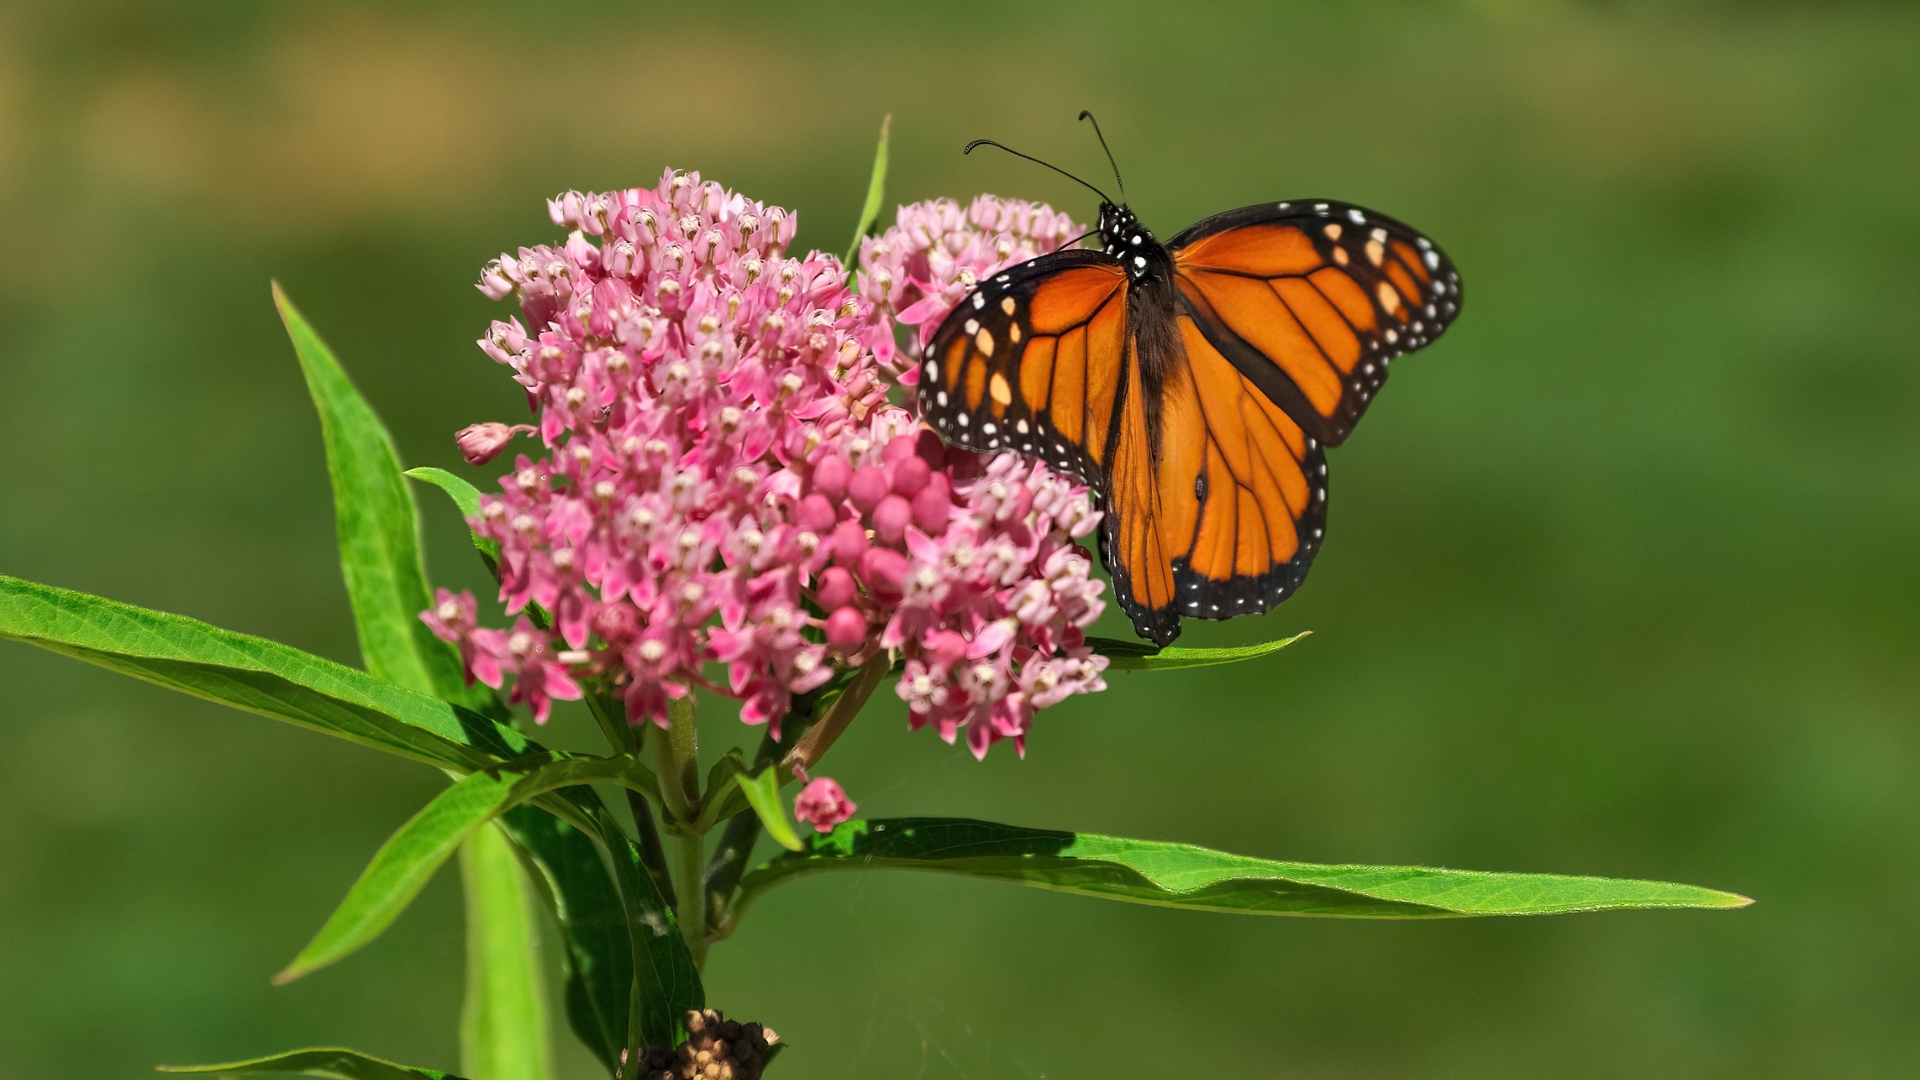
x,y
936,251
727,485
823,804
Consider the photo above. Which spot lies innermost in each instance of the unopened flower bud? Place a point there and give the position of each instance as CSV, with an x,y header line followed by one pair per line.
x,y
890,519
481,443
832,476
910,474
816,514
868,487
835,590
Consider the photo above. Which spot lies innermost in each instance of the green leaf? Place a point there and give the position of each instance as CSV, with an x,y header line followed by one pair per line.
x,y
404,864
666,979
467,498
401,868
464,495
876,193
592,918
762,790
379,530
1140,656
253,674
503,1018
1180,875
325,1061
283,683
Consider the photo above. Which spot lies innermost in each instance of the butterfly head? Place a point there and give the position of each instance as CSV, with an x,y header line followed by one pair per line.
x,y
1123,237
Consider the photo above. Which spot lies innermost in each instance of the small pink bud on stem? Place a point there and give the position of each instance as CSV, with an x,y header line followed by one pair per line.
x,y
481,443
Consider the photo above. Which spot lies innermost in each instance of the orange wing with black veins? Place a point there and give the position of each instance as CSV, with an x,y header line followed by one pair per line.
x,y
1311,300
1033,361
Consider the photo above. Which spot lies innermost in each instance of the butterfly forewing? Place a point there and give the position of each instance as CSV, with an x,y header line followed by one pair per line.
x,y
1031,361
1312,300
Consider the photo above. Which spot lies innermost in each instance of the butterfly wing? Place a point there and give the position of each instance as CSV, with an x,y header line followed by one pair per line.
x,y
1242,488
1041,359
1032,361
1311,300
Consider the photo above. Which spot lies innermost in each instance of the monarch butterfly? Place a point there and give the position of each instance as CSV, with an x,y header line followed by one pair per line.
x,y
1195,385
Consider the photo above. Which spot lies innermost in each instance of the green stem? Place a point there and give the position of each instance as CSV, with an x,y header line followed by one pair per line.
x,y
693,911
812,729
678,751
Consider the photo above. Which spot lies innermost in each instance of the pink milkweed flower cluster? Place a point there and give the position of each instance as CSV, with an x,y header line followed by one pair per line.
x,y
934,254
726,481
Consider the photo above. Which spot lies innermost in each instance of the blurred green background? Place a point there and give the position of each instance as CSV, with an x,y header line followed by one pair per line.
x,y
1620,578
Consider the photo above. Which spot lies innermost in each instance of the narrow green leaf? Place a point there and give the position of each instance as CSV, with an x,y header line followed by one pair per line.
x,y
401,868
253,674
1180,875
666,979
762,790
323,1061
464,495
592,918
379,531
404,864
283,683
1140,656
467,498
503,1019
876,194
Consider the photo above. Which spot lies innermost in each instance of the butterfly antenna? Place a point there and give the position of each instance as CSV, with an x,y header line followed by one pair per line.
x,y
1088,116
989,142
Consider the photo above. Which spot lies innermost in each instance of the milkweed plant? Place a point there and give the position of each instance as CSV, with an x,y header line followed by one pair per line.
x,y
723,488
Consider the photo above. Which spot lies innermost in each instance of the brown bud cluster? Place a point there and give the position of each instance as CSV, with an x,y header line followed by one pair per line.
x,y
716,1049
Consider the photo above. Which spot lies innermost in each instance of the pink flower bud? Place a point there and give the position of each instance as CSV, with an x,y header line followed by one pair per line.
x,y
849,543
932,506
482,443
846,629
823,804
899,450
909,475
868,487
890,519
883,569
832,475
816,513
836,589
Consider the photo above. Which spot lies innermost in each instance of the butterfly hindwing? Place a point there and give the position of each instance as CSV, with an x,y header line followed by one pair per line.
x,y
1139,549
1243,488
1031,361
1311,299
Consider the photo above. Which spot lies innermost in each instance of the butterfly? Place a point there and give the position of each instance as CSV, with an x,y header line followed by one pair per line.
x,y
1194,385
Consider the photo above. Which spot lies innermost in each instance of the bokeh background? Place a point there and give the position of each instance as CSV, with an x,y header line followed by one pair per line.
x,y
1621,577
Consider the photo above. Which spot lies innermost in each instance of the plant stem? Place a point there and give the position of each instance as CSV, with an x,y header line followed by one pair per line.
x,y
810,731
693,909
678,751
684,746
814,745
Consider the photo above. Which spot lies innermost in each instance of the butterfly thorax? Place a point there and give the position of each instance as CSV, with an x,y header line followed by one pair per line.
x,y
1123,237
1150,303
